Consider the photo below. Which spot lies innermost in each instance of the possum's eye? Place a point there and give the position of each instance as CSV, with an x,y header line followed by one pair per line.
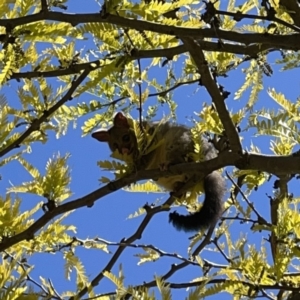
x,y
126,138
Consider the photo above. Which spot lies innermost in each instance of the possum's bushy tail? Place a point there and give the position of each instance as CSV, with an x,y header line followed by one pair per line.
x,y
214,188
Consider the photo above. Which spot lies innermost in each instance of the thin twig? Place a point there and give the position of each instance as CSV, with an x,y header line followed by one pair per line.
x,y
261,220
159,251
240,16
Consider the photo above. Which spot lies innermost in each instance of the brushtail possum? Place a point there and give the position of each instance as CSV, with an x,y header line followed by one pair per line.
x,y
174,144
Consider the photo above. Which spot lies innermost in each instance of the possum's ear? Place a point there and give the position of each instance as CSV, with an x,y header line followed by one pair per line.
x,y
101,135
120,120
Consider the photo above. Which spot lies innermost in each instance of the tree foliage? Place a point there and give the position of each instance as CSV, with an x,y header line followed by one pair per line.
x,y
60,68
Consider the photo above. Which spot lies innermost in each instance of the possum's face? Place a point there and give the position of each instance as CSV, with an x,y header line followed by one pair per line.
x,y
119,137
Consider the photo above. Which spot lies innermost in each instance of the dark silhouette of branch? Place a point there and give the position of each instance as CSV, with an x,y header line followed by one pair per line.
x,y
274,203
242,220
217,98
44,5
260,219
89,199
72,70
246,283
161,93
239,16
272,164
278,41
228,259
152,247
250,51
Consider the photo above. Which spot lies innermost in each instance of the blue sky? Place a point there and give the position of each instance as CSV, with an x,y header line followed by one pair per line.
x,y
107,219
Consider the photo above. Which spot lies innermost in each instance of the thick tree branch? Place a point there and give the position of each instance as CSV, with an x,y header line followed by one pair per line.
x,y
208,81
44,5
270,164
251,51
278,41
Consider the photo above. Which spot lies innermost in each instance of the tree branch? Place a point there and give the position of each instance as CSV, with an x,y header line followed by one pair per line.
x,y
72,70
278,41
239,16
37,122
159,251
217,98
293,9
271,164
251,51
44,5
